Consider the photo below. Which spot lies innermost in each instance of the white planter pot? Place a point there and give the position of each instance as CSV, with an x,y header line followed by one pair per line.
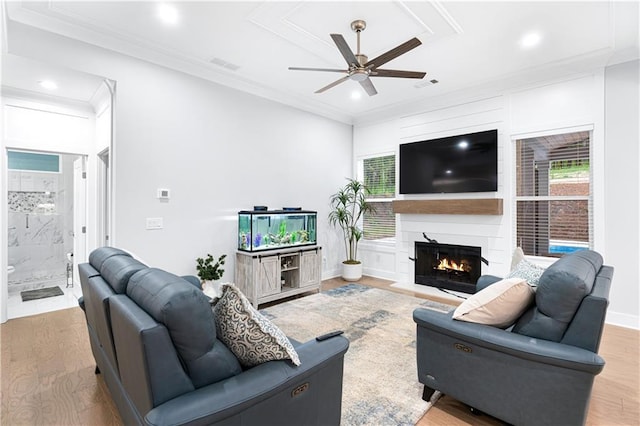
x,y
213,289
351,272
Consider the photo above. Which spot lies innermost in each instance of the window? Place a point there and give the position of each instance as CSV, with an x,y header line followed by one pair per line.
x,y
553,194
31,161
379,175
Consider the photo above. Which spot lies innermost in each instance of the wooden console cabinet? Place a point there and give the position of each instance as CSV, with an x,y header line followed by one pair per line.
x,y
268,276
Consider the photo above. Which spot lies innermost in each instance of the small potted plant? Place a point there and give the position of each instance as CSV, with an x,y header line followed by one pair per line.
x,y
347,207
209,272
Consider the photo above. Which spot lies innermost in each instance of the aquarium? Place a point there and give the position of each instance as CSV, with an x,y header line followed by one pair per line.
x,y
274,229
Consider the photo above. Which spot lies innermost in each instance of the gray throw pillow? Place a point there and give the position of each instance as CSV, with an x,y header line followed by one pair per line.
x,y
527,271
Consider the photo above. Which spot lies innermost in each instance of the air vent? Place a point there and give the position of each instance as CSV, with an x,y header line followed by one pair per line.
x,y
426,83
224,64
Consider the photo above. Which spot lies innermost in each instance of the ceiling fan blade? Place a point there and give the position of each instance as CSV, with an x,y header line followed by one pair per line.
x,y
318,69
367,85
397,73
344,48
393,53
335,83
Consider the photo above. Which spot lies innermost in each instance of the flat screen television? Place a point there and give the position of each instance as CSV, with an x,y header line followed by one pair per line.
x,y
464,163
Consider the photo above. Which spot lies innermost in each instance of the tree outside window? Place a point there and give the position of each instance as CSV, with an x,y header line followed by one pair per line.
x,y
379,175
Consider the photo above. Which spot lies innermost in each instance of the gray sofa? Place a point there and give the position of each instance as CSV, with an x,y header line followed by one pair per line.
x,y
538,372
153,337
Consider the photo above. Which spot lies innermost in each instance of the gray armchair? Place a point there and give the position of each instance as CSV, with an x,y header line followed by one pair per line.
x,y
538,372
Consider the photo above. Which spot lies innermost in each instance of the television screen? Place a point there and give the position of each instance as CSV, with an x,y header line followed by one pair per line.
x,y
464,163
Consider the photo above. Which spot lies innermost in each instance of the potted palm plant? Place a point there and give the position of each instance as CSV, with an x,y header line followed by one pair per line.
x,y
347,207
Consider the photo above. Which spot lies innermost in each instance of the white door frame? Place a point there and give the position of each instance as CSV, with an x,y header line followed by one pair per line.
x,y
79,219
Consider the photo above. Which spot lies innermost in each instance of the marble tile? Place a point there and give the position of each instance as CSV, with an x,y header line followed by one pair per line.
x,y
16,308
40,233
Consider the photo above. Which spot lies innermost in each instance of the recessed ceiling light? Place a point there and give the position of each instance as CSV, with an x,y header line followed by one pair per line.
x,y
168,14
530,40
48,84
463,144
356,94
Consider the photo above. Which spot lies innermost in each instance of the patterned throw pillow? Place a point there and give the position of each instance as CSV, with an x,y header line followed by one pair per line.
x,y
527,271
251,337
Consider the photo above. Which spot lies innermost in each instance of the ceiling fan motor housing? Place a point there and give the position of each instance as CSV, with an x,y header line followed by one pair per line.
x,y
358,25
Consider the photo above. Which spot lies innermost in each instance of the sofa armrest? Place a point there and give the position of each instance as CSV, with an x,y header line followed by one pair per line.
x,y
524,347
219,401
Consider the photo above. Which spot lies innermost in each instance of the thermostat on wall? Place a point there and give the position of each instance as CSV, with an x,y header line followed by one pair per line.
x,y
163,194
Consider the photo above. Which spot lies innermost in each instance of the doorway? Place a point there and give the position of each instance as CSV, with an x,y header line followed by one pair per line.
x,y
46,213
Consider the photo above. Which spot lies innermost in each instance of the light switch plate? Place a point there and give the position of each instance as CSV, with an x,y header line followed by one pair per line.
x,y
154,223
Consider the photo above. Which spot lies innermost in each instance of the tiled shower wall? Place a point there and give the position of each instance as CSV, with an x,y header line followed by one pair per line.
x,y
40,221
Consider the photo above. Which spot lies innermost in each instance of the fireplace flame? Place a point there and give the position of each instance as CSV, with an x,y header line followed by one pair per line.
x,y
445,265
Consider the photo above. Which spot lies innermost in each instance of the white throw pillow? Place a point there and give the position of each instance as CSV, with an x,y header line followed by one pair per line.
x,y
251,337
518,255
499,304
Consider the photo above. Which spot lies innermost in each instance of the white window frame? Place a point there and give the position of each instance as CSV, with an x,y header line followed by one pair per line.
x,y
593,175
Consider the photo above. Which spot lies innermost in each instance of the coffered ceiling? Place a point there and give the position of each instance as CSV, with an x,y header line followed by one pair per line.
x,y
249,45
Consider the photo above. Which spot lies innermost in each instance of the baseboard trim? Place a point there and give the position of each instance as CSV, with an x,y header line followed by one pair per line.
x,y
623,320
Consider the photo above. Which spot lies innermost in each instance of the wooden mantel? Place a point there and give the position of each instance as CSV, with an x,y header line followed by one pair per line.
x,y
481,206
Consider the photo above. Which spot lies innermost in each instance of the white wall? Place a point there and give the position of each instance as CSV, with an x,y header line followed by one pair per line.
x,y
218,151
622,190
546,107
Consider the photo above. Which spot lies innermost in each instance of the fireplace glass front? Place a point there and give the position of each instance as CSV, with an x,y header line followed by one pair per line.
x,y
447,266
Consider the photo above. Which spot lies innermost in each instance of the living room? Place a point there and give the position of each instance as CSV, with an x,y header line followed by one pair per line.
x,y
221,150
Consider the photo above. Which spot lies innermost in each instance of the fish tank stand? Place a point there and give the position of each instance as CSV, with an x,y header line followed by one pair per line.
x,y
277,274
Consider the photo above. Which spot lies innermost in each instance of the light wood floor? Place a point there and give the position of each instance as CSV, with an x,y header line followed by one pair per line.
x,y
47,375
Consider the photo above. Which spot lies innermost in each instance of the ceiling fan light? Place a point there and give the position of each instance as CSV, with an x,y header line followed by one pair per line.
x,y
359,75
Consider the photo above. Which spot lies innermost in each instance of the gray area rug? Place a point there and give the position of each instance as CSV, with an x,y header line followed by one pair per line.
x,y
41,293
380,384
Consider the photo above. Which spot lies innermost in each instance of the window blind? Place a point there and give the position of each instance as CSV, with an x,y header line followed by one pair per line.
x,y
553,194
379,175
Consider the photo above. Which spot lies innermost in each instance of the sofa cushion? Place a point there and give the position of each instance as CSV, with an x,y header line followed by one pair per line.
x,y
499,304
185,311
559,295
99,255
252,337
116,271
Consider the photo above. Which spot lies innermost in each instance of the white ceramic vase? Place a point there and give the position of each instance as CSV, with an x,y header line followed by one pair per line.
x,y
351,271
211,288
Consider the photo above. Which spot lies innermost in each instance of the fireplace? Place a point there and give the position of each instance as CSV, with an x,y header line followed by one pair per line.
x,y
447,266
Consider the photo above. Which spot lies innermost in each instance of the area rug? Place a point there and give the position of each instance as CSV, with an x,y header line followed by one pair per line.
x,y
41,293
455,296
380,385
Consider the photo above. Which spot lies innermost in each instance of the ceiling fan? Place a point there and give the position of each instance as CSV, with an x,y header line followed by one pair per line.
x,y
361,68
